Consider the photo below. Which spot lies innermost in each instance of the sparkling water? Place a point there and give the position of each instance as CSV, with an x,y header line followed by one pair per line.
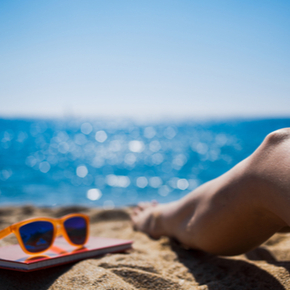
x,y
112,163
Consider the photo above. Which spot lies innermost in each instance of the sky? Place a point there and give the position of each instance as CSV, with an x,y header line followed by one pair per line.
x,y
144,59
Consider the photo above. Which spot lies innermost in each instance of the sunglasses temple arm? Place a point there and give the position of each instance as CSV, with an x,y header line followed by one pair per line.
x,y
4,233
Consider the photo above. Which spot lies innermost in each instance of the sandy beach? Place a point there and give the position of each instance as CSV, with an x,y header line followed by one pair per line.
x,y
161,264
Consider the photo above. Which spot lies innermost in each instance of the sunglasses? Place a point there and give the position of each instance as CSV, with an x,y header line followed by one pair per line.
x,y
37,235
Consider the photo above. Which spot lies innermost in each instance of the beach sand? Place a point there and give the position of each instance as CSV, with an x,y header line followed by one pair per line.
x,y
161,264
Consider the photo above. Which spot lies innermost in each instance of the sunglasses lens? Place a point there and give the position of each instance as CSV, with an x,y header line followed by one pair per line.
x,y
37,236
76,228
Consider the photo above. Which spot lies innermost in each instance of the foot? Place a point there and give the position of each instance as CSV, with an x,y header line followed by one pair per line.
x,y
153,219
146,218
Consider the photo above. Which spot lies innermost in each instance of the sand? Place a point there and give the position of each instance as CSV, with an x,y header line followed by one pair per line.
x,y
161,264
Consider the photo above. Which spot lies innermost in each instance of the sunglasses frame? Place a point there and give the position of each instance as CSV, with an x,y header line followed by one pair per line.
x,y
58,230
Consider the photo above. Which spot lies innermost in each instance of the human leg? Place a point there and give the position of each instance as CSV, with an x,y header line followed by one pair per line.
x,y
233,213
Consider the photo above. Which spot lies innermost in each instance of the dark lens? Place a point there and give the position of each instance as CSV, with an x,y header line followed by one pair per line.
x,y
37,236
76,228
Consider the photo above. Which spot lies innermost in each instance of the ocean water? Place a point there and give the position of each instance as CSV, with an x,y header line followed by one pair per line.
x,y
112,163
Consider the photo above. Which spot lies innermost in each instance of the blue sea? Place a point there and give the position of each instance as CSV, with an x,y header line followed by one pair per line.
x,y
112,163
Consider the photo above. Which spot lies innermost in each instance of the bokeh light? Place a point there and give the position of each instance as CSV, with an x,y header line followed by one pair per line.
x,y
109,164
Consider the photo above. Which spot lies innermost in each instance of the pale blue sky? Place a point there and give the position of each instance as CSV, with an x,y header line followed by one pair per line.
x,y
144,58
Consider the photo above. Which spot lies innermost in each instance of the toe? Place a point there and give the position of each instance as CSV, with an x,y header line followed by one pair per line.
x,y
154,202
145,205
136,210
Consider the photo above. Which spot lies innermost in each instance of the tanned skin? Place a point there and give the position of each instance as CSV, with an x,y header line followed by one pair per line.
x,y
233,213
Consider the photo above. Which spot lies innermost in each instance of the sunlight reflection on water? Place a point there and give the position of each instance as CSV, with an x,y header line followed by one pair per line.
x,y
113,163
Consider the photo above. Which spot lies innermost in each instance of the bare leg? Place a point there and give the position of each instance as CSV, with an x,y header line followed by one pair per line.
x,y
234,213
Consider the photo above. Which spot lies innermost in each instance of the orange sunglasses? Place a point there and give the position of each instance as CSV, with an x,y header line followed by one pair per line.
x,y
37,235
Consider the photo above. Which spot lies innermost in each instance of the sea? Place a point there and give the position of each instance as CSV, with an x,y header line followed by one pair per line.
x,y
113,162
